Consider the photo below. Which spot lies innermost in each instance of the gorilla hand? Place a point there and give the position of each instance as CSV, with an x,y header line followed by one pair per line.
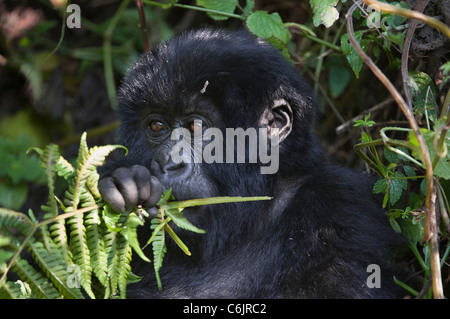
x,y
128,187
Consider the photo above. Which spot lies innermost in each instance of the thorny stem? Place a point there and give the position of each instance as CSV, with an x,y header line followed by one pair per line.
x,y
430,227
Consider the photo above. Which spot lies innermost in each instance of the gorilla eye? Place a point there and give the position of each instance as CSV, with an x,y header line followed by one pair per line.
x,y
196,126
157,126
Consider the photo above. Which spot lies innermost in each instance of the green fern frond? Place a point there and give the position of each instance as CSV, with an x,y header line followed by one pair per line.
x,y
54,269
49,157
39,284
64,169
11,290
98,257
111,248
13,219
158,246
80,251
124,269
59,235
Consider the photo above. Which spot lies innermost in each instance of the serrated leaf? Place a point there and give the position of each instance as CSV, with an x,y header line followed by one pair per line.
x,y
324,12
380,186
396,187
267,26
227,6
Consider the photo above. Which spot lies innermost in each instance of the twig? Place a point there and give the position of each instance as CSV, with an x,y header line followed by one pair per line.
x,y
405,52
374,108
430,231
143,25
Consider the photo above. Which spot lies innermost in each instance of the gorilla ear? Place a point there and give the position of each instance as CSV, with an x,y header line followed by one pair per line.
x,y
278,119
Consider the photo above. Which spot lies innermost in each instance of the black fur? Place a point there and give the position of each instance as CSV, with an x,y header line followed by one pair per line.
x,y
317,236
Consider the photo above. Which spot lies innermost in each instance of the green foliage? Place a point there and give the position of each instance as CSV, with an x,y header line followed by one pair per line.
x,y
82,248
16,170
218,5
325,12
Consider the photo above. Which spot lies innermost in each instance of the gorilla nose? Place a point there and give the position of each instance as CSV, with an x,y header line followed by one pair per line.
x,y
163,164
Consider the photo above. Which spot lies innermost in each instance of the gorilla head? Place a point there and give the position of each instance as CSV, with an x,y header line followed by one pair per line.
x,y
322,229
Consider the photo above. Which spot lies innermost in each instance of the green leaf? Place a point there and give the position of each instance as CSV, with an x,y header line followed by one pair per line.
x,y
130,234
324,11
159,250
227,6
443,167
423,94
12,196
268,26
353,58
181,221
54,269
40,286
396,187
413,232
338,80
177,239
380,186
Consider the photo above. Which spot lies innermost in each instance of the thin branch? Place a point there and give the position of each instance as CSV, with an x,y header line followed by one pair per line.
x,y
405,52
430,232
143,25
374,108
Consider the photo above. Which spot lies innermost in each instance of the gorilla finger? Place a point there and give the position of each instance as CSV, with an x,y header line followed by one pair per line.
x,y
156,191
111,194
142,179
152,212
124,180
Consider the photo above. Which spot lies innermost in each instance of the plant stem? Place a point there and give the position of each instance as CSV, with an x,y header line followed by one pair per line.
x,y
389,8
143,25
185,6
107,55
431,231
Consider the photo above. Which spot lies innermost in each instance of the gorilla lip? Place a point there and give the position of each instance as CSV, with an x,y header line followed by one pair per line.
x,y
213,152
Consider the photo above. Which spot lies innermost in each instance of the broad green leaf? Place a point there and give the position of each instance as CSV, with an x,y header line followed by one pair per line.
x,y
380,186
413,232
352,56
396,187
268,26
423,94
324,12
226,6
338,80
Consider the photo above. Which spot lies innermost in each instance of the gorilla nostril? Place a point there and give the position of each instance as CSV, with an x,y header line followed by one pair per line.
x,y
163,164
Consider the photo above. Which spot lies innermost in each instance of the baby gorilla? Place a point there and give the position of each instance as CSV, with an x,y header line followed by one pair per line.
x,y
323,231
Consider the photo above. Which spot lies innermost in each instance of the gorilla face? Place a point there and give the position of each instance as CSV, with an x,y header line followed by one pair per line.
x,y
209,80
217,113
